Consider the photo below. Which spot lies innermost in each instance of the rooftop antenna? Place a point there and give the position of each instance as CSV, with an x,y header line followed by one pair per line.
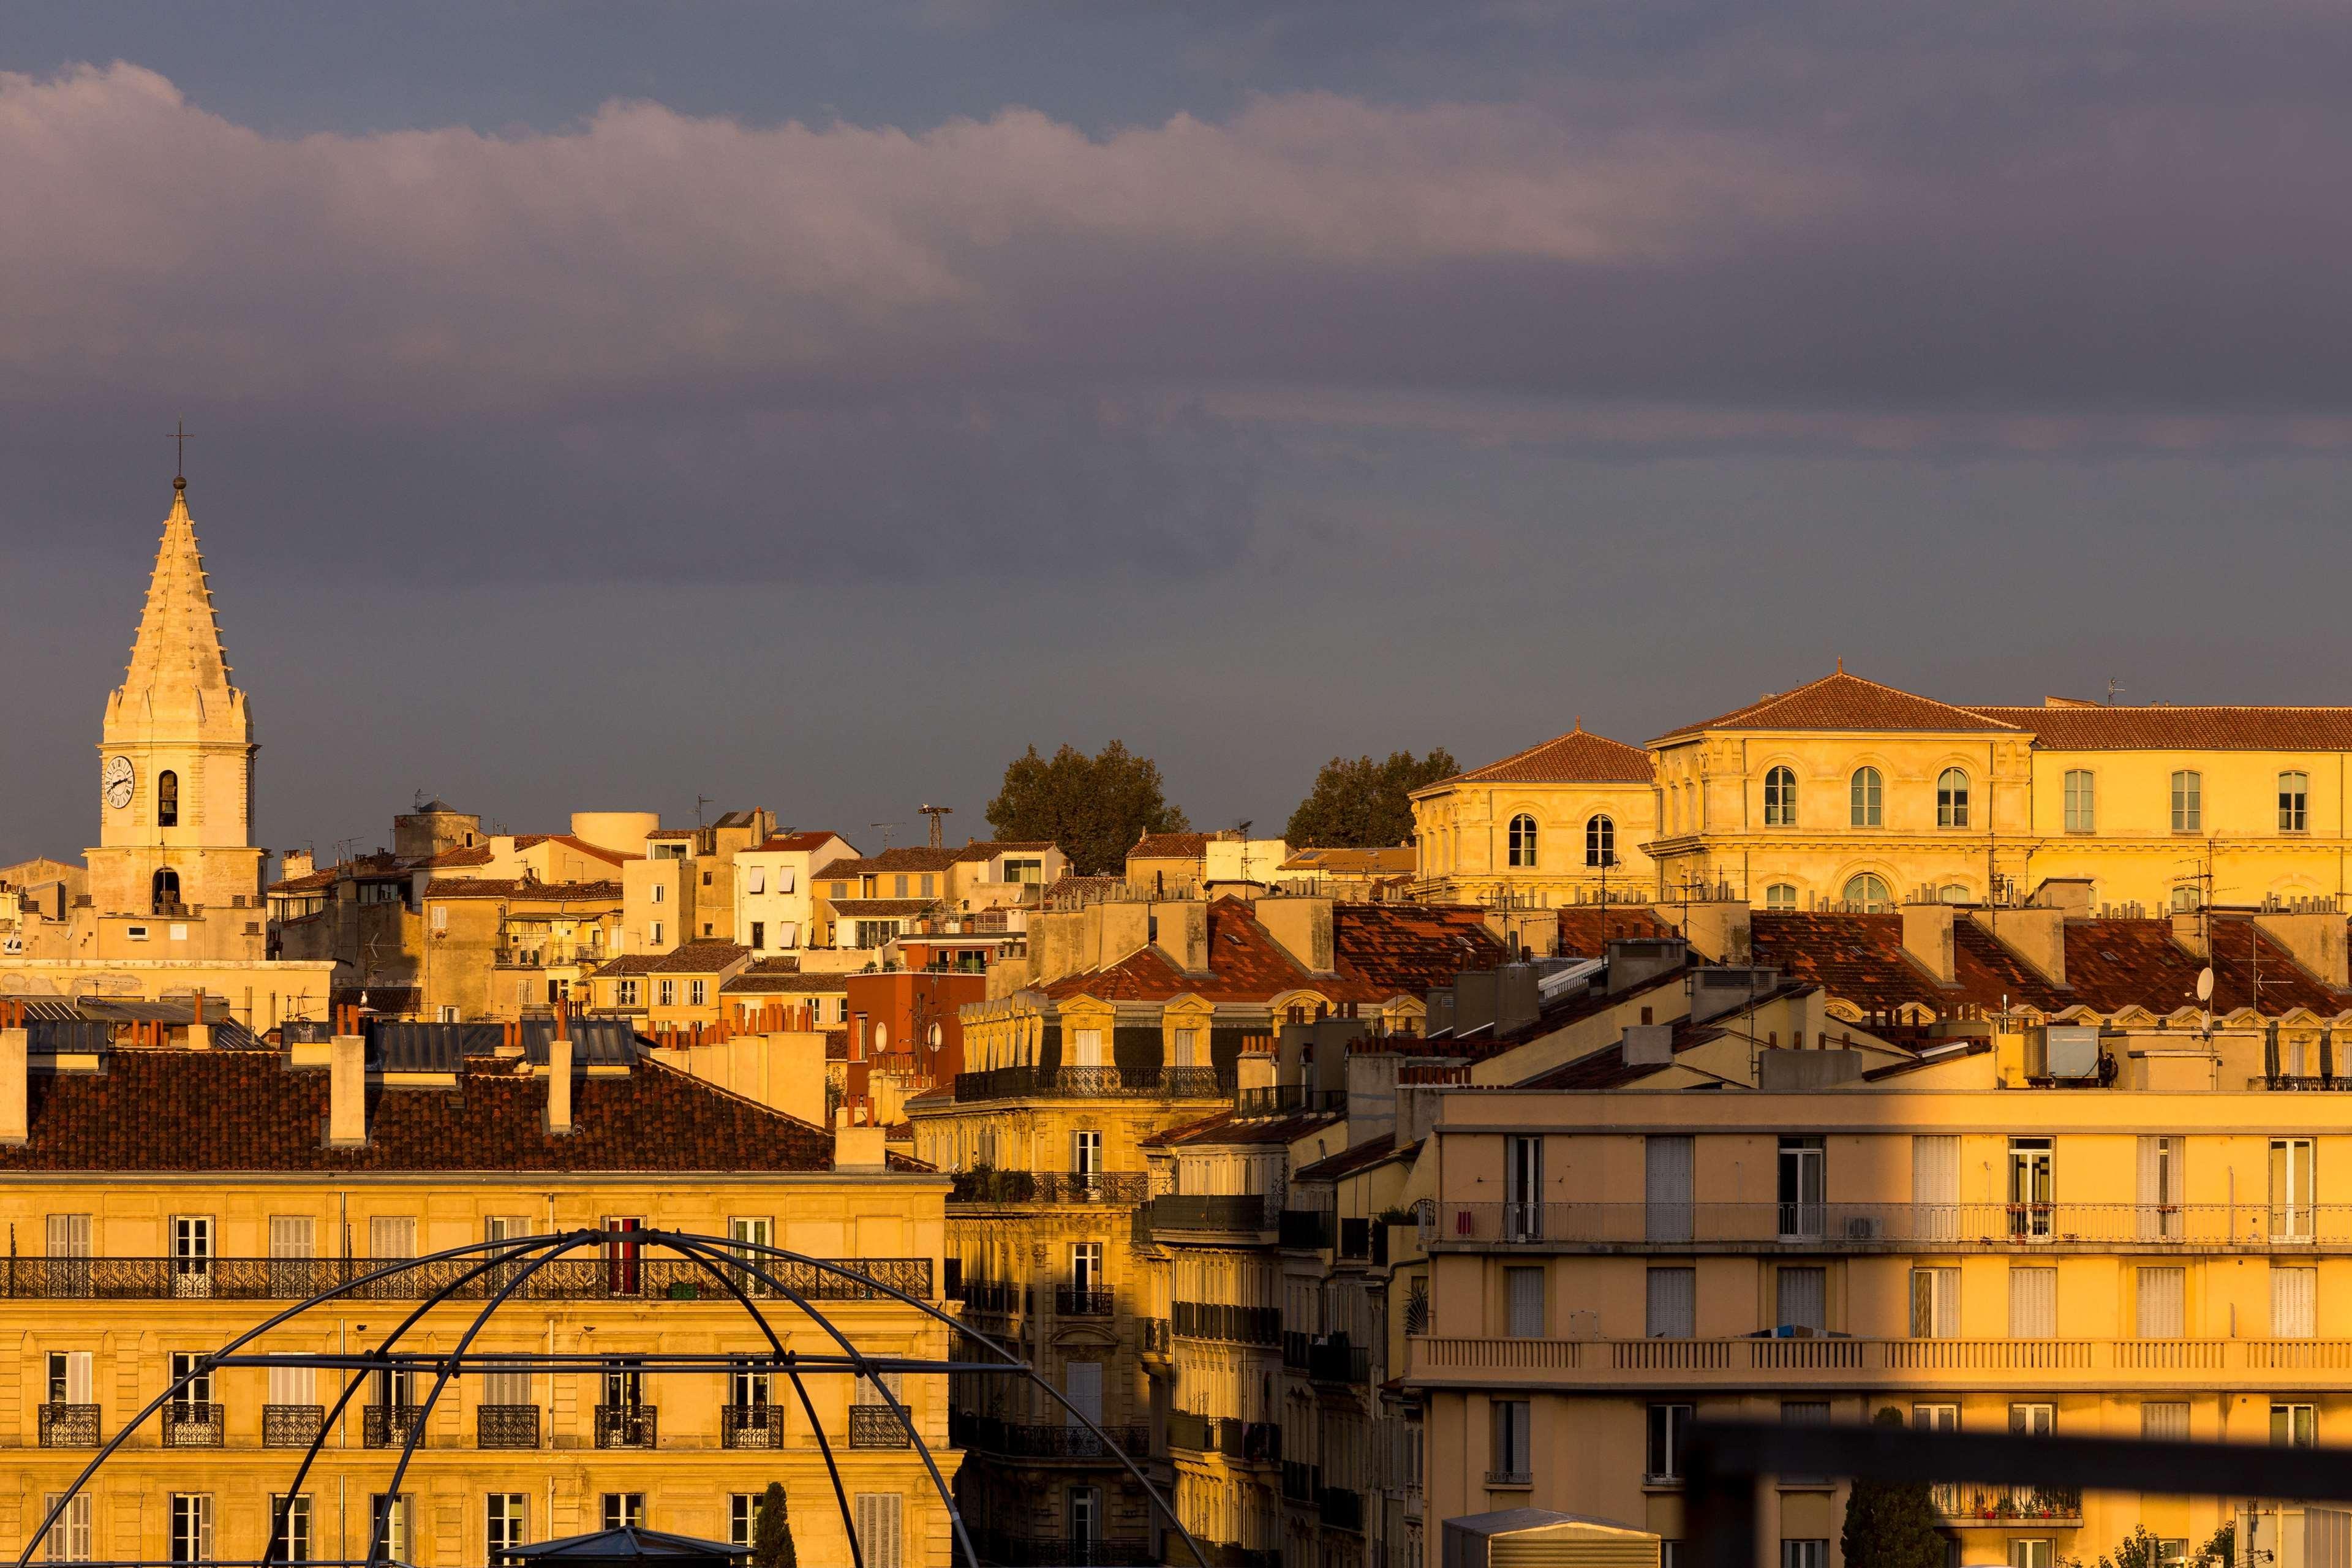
x,y
700,801
418,803
884,827
2114,686
935,813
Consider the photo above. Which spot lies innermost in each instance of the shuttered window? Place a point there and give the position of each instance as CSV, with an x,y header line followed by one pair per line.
x,y
1935,1303
70,1235
1526,1302
1667,1188
2294,1301
1674,1303
2163,1303
293,1236
2164,1421
1802,1298
293,1385
2163,1176
392,1237
878,1528
1082,1381
1936,1187
2032,1303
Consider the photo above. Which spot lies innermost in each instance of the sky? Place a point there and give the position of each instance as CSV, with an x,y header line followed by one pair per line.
x,y
602,406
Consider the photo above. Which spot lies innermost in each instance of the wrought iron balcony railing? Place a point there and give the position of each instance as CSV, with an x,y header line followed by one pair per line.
x,y
1055,1552
194,1424
1152,1336
1964,1504
506,1426
997,1297
1044,1440
1093,1083
876,1426
68,1425
572,1278
625,1426
1226,1321
1214,1211
1842,1227
757,1425
1341,1509
1070,1301
1334,1360
389,1426
1050,1187
291,1426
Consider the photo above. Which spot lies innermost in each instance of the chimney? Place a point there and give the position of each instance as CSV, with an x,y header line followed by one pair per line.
x,y
347,1083
2035,937
2315,942
857,1149
1180,932
1254,1068
1927,939
2188,931
1647,1045
16,1091
1301,927
559,1073
296,863
200,1034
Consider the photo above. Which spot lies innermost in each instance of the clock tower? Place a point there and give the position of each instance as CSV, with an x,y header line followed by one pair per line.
x,y
175,874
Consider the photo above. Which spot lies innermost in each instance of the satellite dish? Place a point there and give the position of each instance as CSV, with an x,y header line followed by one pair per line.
x,y
2205,983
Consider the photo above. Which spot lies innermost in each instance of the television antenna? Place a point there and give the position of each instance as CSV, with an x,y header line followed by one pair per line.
x,y
935,813
884,827
700,801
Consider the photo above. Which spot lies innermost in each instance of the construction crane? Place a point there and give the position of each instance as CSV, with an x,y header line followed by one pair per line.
x,y
935,813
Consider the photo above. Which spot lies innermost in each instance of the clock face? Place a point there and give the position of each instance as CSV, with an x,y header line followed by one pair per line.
x,y
116,779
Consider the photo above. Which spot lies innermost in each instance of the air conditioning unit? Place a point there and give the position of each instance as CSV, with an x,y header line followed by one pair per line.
x,y
1862,1228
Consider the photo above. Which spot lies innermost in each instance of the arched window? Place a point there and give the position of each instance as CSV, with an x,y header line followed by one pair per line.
x,y
1780,798
2082,802
1952,799
167,799
1868,894
1954,892
1866,804
1523,840
2189,802
2294,795
167,890
1781,896
1600,842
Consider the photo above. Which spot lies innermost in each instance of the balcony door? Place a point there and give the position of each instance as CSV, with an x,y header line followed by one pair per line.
x,y
1082,1382
2033,1184
621,1255
1801,1162
192,1254
1522,1188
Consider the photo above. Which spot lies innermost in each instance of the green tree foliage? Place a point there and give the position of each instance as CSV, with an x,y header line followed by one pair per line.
x,y
1094,807
1890,1524
2222,1551
1364,805
772,1532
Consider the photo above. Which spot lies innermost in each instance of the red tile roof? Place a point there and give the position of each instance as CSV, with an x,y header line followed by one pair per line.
x,y
223,1111
699,958
532,840
913,857
1587,930
2069,728
882,908
1607,1068
363,867
1361,1157
675,833
1403,858
476,855
1379,952
1171,846
989,848
781,982
802,843
1573,758
520,888
1224,1128
1842,701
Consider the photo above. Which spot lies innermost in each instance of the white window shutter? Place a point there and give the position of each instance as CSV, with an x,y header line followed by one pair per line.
x,y
1082,1381
2032,1303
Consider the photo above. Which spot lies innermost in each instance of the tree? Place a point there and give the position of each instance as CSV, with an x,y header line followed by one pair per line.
x,y
1094,807
772,1532
2221,1551
1890,1524
1365,805
2138,1549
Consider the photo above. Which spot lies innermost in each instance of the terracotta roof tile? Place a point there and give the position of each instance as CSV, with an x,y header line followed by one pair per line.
x,y
1379,952
699,958
2098,729
882,909
1842,701
1171,846
1402,859
1355,1157
572,841
1225,1128
785,985
1576,757
1587,930
802,843
520,888
475,855
989,848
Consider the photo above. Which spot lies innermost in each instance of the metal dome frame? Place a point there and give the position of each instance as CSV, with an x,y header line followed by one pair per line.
x,y
510,1264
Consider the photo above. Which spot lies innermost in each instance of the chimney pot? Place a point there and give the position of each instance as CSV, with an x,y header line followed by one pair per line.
x,y
559,1084
347,1091
15,1091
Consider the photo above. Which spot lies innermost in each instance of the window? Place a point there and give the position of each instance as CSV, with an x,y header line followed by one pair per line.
x,y
69,1536
1185,1048
1514,1463
657,933
1952,798
1668,1423
929,885
2032,1303
1086,1152
899,886
1800,1189
877,1517
191,1527
1867,894
754,1231
1024,871
70,1380
1781,896
1804,1554
623,1510
2033,1420
706,879
1085,1520
1523,1288
1666,1187
166,890
2082,802
2290,1189
759,935
1800,1298
625,991
2188,801
289,1520
1804,1413
1523,840
1936,1187
1086,1047
192,1254
1673,1304
505,1520
2294,1302
1935,1303
665,992
2294,795
742,1514
840,890
2163,1175
2295,1426
1600,842
390,1235
1780,798
2032,1554
167,799
1865,804
2031,1180
1082,1382
2164,1421
1086,1265
1936,1417
2163,1303
1522,1188
697,992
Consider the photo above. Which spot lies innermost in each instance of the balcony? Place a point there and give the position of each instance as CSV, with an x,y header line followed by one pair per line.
x,y
1045,1440
1883,1227
1253,1442
1864,1364
1226,1321
1070,1301
1092,1083
291,1426
1334,1360
1341,1509
506,1426
572,1278
1301,1482
876,1426
389,1426
1356,1239
194,1423
1053,1552
1290,1099
995,1297
1294,1344
1246,1212
1152,1336
757,1425
1304,1230
626,1427
1962,1506
1050,1187
68,1425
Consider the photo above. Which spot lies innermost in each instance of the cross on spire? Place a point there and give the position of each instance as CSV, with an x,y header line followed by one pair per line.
x,y
180,468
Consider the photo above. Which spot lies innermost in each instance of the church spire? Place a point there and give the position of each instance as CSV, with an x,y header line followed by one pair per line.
x,y
178,653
